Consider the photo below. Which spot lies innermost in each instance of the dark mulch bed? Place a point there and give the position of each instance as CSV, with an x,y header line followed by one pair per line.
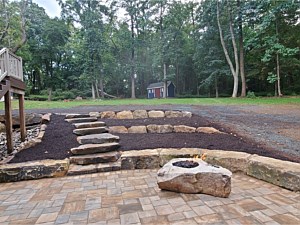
x,y
59,139
56,143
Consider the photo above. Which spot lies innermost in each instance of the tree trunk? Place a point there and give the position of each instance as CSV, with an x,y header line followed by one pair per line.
x,y
234,71
97,89
165,81
241,43
49,94
216,87
101,87
278,75
93,91
278,64
132,60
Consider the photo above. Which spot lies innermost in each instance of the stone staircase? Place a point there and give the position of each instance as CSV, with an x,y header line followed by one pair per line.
x,y
97,151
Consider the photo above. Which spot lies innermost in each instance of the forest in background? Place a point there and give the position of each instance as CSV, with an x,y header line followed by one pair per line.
x,y
208,48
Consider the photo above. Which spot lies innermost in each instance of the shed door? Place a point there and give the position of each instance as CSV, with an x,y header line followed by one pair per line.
x,y
157,92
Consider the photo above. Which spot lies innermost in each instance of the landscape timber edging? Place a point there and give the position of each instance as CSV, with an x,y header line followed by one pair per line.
x,y
278,172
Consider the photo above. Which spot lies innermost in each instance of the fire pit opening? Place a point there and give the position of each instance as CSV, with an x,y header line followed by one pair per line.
x,y
186,164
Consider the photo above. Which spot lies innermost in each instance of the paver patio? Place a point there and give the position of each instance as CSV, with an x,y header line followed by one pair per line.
x,y
133,197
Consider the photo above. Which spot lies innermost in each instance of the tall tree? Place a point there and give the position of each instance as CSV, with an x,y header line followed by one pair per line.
x,y
233,68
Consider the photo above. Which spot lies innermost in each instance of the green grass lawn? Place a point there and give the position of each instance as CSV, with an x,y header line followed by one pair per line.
x,y
174,101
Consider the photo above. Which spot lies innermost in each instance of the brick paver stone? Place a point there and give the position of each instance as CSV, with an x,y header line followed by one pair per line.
x,y
133,197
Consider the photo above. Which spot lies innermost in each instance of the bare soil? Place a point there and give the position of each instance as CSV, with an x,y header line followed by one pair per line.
x,y
59,139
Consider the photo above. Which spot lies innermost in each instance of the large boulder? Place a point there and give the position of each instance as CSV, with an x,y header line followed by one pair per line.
x,y
2,127
94,148
33,170
173,114
156,114
208,130
95,114
95,158
234,161
282,173
30,119
140,114
204,178
187,114
89,124
141,159
97,138
137,129
82,120
76,115
152,128
124,115
90,130
118,129
184,129
108,115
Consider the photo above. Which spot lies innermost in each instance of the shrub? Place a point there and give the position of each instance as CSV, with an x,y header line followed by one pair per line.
x,y
251,94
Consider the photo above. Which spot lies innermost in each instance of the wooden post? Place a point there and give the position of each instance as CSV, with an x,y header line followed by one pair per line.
x,y
8,123
22,117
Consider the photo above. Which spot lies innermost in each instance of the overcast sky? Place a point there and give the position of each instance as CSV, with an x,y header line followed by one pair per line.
x,y
51,6
53,9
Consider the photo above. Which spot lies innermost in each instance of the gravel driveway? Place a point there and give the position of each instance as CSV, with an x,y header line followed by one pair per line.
x,y
273,126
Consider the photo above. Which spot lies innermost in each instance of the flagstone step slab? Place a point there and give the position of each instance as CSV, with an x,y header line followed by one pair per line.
x,y
98,138
91,130
95,148
93,168
82,120
89,124
76,115
95,158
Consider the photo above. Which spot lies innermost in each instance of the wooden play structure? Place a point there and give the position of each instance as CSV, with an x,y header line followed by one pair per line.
x,y
11,81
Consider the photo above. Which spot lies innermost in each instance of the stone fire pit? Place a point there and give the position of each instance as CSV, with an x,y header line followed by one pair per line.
x,y
193,176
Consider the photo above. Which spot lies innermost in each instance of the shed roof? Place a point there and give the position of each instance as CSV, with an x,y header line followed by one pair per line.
x,y
158,85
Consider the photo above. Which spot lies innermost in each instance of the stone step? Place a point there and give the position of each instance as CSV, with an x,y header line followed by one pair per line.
x,y
76,115
89,125
98,138
91,130
95,158
82,120
93,168
95,148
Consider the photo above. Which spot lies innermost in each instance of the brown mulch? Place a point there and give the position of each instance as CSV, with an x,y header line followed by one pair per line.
x,y
59,139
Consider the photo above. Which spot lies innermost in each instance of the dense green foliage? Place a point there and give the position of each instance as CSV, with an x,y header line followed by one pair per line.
x,y
120,47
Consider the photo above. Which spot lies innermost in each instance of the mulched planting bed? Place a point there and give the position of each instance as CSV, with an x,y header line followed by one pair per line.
x,y
59,139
